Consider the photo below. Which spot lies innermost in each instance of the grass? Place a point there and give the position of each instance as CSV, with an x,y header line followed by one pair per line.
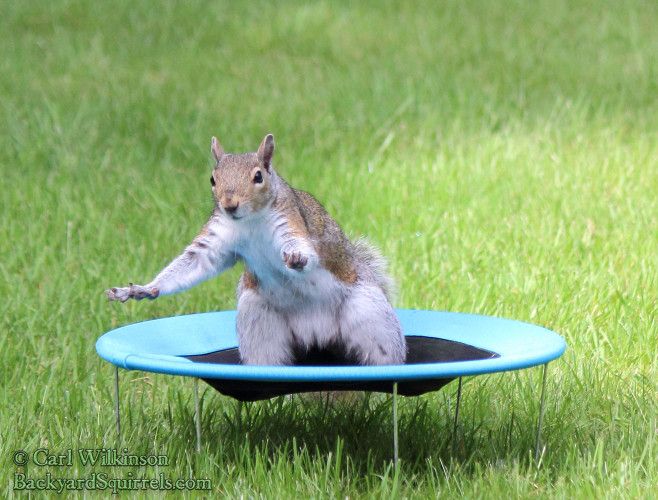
x,y
502,155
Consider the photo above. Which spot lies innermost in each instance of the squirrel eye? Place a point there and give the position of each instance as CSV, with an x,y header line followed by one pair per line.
x,y
258,178
212,180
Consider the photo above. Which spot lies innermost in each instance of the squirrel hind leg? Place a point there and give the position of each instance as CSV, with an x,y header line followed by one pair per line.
x,y
369,328
264,337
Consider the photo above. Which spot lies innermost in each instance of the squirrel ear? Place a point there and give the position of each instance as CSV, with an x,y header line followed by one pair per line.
x,y
266,150
216,149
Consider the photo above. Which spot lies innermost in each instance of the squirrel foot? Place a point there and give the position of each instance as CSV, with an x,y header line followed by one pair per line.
x,y
136,292
295,260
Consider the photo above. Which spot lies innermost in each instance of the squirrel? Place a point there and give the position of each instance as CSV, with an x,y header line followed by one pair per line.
x,y
305,285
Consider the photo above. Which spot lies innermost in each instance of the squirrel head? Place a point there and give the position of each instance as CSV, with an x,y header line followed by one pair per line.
x,y
242,183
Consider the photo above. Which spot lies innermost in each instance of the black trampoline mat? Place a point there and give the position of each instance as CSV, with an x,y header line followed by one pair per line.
x,y
419,350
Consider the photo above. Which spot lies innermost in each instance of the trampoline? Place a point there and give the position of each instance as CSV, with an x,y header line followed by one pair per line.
x,y
442,347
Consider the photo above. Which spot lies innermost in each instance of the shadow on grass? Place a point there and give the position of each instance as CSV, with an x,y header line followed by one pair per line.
x,y
360,426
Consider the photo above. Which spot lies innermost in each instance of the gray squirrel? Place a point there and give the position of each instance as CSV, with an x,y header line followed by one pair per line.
x,y
305,285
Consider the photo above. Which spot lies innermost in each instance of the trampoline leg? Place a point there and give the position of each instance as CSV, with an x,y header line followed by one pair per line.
x,y
197,415
117,415
541,412
395,424
456,420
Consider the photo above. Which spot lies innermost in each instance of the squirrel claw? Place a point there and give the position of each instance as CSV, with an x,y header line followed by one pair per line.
x,y
118,294
295,260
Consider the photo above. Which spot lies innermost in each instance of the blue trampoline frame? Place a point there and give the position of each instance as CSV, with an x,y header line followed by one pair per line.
x,y
156,345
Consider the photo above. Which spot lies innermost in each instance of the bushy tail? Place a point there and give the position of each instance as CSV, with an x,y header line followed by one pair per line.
x,y
374,267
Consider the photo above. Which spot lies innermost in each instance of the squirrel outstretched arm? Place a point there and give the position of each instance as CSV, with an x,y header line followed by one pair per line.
x,y
212,253
209,254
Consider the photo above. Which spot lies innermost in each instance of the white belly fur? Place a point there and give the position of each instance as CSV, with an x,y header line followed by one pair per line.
x,y
309,300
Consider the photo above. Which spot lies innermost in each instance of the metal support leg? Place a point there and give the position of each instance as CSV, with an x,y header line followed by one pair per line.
x,y
117,415
197,415
541,413
456,420
395,424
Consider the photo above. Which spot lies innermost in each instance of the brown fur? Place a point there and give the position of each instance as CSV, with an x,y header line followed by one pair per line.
x,y
233,185
249,281
308,218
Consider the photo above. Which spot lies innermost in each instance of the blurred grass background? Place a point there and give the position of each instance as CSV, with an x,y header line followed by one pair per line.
x,y
504,156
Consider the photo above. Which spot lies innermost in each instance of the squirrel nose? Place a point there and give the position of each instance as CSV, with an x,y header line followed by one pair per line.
x,y
230,209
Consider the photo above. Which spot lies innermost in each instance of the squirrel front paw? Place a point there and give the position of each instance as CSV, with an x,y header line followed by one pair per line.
x,y
136,292
295,260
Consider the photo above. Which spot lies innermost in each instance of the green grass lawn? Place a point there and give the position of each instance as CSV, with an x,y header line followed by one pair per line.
x,y
504,156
